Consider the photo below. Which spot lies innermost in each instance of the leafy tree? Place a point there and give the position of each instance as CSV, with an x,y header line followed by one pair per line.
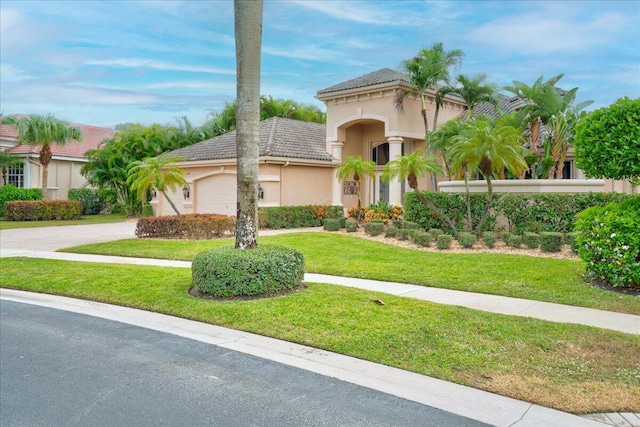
x,y
356,168
607,141
489,146
248,32
156,173
473,90
7,161
441,141
43,131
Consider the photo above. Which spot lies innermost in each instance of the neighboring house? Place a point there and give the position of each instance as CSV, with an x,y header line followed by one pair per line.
x,y
294,169
64,169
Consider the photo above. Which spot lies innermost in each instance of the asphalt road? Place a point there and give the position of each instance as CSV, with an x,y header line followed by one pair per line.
x,y
65,369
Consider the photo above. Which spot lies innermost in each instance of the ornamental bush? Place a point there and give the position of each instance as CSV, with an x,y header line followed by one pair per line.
x,y
277,217
570,239
422,238
374,228
551,241
609,242
489,239
332,224
390,231
467,240
42,210
10,193
402,234
443,241
265,270
515,241
435,232
190,226
351,227
531,240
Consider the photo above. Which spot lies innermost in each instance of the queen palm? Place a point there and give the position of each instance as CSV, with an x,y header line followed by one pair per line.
x,y
473,90
489,146
356,168
43,131
411,167
156,173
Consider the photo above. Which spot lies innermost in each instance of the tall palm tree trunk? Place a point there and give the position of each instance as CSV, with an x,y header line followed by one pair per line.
x,y
248,31
173,206
45,159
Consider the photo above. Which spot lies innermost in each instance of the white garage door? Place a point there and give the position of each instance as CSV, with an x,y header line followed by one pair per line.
x,y
217,194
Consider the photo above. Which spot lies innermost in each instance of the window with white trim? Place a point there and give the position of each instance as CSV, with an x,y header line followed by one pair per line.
x,y
15,175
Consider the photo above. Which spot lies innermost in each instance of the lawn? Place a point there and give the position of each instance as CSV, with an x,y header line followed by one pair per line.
x,y
573,368
85,219
542,279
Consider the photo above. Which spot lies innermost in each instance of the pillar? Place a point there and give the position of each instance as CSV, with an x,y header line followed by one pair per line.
x,y
336,188
395,186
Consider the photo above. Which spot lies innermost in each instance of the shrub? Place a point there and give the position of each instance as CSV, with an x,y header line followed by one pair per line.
x,y
551,241
351,227
506,235
410,225
373,228
489,239
265,270
443,241
515,241
95,201
422,238
147,211
435,232
531,240
278,217
609,242
390,231
189,226
467,240
570,239
42,210
402,234
10,193
398,223
332,224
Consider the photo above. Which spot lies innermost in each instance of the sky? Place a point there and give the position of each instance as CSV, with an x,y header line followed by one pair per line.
x,y
108,62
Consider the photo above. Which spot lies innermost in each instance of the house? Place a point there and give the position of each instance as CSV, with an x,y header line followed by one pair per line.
x,y
64,169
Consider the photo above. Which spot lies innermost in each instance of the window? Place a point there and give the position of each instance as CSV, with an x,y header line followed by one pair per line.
x,y
15,175
567,170
380,154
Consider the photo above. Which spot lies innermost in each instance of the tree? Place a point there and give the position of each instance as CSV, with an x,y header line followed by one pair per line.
x,y
473,90
156,173
441,142
488,146
355,168
7,161
43,131
607,142
248,33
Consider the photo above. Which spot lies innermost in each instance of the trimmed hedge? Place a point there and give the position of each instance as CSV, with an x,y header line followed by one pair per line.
x,y
443,241
551,241
278,217
531,240
42,210
351,227
374,228
265,270
190,226
609,242
332,224
10,192
515,241
467,240
422,238
489,239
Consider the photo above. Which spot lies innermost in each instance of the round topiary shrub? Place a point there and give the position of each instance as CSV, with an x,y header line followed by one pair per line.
x,y
443,241
435,232
351,227
402,234
506,235
332,224
551,241
531,240
422,238
489,239
229,272
515,241
467,240
374,228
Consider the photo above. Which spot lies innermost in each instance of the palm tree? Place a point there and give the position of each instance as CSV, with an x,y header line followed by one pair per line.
x,y
248,32
43,131
473,90
356,168
7,161
156,173
441,142
411,167
489,146
426,71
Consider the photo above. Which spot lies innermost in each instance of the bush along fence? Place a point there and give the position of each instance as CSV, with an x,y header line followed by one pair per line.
x,y
42,210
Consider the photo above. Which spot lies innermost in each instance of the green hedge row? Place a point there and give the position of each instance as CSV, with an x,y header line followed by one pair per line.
x,y
10,193
190,226
278,217
42,210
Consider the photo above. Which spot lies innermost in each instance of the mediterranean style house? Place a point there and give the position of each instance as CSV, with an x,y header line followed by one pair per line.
x,y
64,169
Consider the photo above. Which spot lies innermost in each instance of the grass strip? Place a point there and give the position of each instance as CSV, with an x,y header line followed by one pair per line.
x,y
572,368
518,276
85,219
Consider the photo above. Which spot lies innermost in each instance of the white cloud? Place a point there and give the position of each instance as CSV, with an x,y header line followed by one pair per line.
x,y
361,12
191,84
10,73
157,65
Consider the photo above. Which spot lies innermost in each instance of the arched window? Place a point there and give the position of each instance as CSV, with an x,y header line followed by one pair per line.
x,y
380,154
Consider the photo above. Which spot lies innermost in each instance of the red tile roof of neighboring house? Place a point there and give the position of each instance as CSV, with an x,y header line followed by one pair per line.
x,y
92,136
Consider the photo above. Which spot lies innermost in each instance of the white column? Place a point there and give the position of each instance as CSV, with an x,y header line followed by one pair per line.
x,y
395,186
336,188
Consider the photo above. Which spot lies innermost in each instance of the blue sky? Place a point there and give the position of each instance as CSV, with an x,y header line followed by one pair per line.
x,y
109,62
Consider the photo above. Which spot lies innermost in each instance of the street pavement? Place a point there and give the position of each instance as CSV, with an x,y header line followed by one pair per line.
x,y
451,398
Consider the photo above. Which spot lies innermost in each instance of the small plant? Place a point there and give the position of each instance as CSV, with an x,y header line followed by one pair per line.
x,y
467,240
391,231
551,241
229,272
531,240
506,235
351,227
332,224
410,225
374,228
402,234
489,239
435,232
398,223
515,241
422,238
443,241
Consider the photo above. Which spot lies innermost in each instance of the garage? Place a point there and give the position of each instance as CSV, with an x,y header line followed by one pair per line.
x,y
216,194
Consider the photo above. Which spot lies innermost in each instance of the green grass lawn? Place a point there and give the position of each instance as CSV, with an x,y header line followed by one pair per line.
x,y
542,279
85,219
569,367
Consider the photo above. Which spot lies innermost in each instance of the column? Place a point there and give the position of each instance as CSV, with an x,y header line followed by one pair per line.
x,y
395,186
336,188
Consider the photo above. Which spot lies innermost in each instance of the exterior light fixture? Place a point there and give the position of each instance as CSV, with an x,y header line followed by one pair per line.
x,y
260,192
185,192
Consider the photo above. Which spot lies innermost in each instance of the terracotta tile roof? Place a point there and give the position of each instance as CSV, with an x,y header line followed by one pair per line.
x,y
384,75
92,137
278,138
